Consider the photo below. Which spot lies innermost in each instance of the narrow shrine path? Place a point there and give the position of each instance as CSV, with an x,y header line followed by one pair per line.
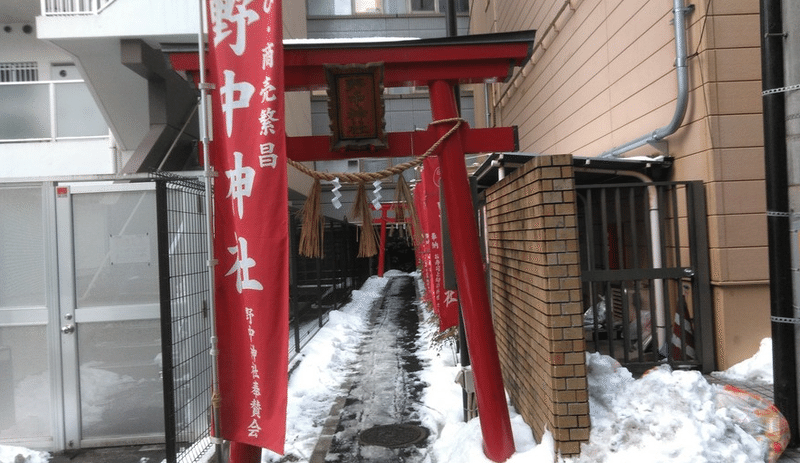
x,y
385,385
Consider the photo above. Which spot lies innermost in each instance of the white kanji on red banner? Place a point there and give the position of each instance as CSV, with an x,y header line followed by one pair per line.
x,y
251,219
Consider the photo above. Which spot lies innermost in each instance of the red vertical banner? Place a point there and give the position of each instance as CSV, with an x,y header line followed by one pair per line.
x,y
445,302
422,248
251,240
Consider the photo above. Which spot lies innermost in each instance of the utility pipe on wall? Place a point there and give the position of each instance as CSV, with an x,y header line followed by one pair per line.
x,y
791,52
679,12
778,212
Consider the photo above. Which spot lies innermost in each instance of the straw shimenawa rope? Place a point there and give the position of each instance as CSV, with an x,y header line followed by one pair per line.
x,y
362,177
310,240
311,236
368,243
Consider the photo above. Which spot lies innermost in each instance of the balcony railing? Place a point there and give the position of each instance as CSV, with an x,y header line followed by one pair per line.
x,y
49,111
74,7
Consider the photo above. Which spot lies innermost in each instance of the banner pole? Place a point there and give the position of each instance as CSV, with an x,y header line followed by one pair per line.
x,y
208,174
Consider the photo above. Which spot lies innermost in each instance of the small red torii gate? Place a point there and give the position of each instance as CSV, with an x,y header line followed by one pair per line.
x,y
439,64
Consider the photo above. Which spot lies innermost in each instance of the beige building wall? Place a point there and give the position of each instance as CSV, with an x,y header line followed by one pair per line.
x,y
603,74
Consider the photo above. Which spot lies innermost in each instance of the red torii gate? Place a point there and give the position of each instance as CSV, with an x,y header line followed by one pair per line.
x,y
383,220
439,64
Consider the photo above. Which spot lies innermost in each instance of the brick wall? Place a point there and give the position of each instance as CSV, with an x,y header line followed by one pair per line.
x,y
536,297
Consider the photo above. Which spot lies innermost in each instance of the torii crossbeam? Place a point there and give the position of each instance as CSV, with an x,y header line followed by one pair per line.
x,y
438,64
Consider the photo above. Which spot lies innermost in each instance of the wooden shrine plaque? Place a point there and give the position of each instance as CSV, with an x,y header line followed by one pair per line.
x,y
356,107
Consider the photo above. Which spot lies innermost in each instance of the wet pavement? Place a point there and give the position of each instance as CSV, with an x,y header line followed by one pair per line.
x,y
384,386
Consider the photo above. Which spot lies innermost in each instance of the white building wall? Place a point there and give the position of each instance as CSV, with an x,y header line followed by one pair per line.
x,y
18,46
66,157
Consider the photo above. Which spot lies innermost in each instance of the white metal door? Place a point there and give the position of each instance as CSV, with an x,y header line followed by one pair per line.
x,y
29,407
110,331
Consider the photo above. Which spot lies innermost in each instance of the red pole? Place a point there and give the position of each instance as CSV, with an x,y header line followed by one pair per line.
x,y
382,251
244,453
498,441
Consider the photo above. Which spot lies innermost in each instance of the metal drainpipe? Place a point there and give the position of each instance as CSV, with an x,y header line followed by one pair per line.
x,y
655,244
679,13
778,212
791,51
501,169
488,116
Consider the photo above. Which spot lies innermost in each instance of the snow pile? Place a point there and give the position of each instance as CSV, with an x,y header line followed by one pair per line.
x,y
453,440
11,454
757,368
664,416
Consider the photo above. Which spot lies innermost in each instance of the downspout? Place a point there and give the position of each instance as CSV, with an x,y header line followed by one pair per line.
x,y
778,214
791,53
501,169
488,116
655,244
656,138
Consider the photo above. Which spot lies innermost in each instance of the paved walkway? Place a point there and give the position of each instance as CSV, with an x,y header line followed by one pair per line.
x,y
384,386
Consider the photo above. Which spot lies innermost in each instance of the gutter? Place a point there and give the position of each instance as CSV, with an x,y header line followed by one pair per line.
x,y
656,137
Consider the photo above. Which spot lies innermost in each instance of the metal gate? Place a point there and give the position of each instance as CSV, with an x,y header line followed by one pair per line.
x,y
645,274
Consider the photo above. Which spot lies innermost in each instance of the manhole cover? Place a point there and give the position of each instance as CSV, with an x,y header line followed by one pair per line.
x,y
393,435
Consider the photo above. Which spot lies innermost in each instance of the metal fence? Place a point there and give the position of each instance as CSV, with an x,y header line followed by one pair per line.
x,y
186,322
324,284
645,273
317,286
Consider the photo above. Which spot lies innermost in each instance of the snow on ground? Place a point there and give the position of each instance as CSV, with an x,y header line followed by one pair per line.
x,y
11,454
664,416
757,368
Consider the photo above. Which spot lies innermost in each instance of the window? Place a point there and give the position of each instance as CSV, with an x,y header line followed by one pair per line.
x,y
437,6
365,7
19,72
423,5
368,6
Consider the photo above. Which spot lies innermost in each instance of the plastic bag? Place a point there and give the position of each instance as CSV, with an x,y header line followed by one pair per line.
x,y
588,316
758,417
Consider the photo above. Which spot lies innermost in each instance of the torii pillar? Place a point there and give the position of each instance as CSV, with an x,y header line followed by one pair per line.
x,y
438,63
498,440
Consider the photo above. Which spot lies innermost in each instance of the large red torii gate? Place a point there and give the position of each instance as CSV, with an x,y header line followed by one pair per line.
x,y
439,64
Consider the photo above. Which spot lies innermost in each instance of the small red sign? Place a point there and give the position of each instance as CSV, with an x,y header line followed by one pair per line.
x,y
355,106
